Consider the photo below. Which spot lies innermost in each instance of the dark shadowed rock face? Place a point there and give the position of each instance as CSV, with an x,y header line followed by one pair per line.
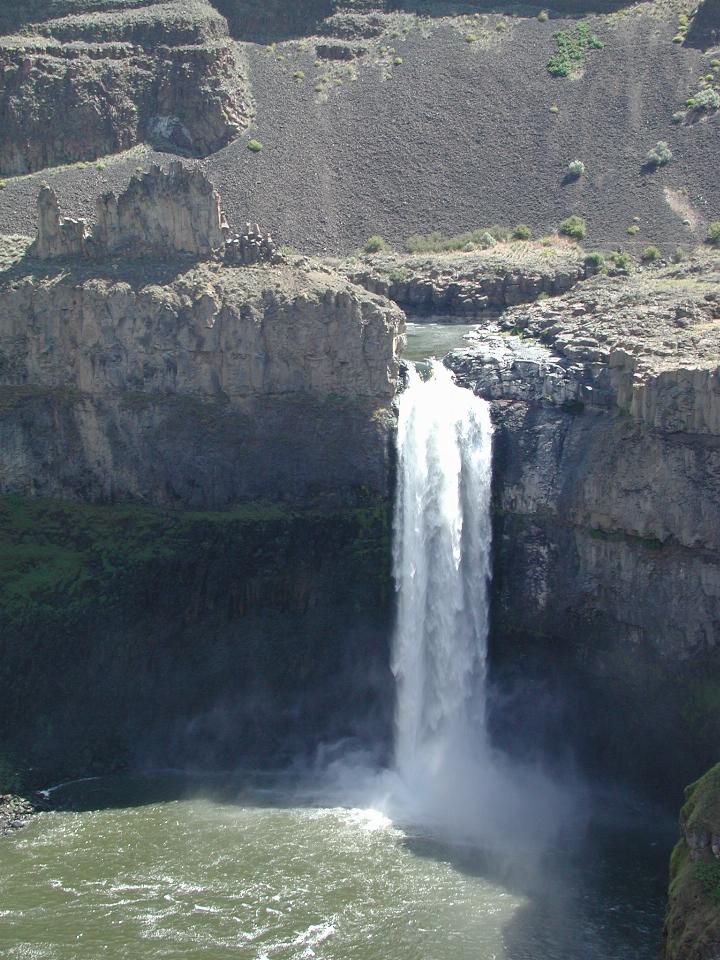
x,y
607,512
273,19
207,639
704,30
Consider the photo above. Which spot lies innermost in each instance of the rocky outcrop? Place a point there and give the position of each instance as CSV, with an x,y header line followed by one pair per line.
x,y
649,349
58,236
692,925
607,503
15,813
251,246
165,213
202,388
162,214
79,87
470,283
704,29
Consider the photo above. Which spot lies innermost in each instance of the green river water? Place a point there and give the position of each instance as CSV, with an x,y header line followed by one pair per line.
x,y
433,338
166,866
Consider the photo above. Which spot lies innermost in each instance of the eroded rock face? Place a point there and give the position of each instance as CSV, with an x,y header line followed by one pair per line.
x,y
59,236
470,283
79,87
161,215
607,502
201,388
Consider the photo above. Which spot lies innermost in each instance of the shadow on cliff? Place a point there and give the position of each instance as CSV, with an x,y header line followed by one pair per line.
x,y
136,273
265,21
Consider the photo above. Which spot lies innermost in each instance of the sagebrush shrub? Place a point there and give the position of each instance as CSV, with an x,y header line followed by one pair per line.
x,y
659,155
650,254
522,232
707,99
375,244
574,227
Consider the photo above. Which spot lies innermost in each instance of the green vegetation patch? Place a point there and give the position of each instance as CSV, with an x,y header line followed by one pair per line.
x,y
621,261
439,243
522,232
571,50
659,156
62,562
573,227
708,873
713,234
702,803
595,262
693,918
375,244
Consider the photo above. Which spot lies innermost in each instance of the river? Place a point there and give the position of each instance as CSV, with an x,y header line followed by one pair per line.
x,y
281,866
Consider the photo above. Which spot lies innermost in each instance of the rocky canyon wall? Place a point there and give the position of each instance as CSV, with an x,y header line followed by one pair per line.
x,y
131,635
195,469
224,384
607,512
87,84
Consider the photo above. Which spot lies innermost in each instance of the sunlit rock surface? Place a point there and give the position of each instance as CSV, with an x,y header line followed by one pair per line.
x,y
607,504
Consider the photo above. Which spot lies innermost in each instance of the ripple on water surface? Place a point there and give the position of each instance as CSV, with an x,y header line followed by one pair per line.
x,y
258,873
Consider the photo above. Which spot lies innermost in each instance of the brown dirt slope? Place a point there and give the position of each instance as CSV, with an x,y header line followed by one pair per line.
x,y
468,130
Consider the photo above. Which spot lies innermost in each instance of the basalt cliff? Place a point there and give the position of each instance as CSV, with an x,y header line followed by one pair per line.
x,y
607,508
239,408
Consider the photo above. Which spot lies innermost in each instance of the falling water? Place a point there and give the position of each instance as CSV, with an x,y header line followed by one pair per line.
x,y
448,776
442,567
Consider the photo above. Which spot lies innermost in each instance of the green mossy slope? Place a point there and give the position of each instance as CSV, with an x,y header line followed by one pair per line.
x,y
692,925
122,626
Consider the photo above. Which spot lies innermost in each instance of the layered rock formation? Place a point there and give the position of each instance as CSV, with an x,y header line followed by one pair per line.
x,y
608,510
692,926
81,86
216,385
471,283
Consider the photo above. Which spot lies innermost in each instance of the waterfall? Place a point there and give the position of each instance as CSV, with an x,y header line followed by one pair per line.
x,y
442,540
447,780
